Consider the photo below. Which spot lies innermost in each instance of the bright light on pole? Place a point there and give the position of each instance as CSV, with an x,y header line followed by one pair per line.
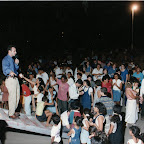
x,y
134,8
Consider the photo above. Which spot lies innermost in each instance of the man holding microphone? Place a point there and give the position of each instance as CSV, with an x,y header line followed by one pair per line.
x,y
10,67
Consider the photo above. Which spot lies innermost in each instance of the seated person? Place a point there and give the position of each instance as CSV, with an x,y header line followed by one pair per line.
x,y
42,115
51,96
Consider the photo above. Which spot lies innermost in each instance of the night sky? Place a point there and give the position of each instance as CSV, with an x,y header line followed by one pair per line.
x,y
40,28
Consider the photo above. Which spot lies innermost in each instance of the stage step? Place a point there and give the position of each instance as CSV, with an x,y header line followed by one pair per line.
x,y
27,123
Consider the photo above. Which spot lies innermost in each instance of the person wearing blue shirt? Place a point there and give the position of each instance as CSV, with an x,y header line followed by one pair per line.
x,y
112,70
138,74
107,66
10,67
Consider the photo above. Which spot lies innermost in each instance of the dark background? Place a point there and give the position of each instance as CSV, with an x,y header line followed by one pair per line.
x,y
36,27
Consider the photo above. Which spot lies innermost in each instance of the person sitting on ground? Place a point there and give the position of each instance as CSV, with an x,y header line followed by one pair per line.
x,y
42,115
51,100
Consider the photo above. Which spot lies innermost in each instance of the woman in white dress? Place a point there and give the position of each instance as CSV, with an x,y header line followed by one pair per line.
x,y
131,105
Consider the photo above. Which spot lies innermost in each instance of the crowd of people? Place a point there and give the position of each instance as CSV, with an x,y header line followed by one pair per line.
x,y
84,101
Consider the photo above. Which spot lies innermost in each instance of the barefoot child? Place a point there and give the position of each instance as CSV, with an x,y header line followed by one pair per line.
x,y
42,115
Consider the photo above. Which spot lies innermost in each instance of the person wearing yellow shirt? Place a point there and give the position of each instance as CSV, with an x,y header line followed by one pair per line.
x,y
42,115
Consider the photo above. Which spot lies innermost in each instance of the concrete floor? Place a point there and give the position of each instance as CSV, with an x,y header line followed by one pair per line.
x,y
23,138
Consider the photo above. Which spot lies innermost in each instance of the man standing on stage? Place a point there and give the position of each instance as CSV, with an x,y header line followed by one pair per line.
x,y
10,68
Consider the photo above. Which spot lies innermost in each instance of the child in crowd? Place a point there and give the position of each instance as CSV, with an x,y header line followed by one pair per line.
x,y
42,115
134,131
27,98
55,131
115,131
85,129
75,110
75,132
4,95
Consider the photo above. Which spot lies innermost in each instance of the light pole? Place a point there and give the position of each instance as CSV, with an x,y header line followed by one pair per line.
x,y
134,7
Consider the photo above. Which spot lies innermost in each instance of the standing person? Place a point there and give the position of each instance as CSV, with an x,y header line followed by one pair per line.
x,y
27,98
117,86
44,75
115,131
87,98
138,74
131,106
142,99
97,72
10,68
92,83
87,68
73,90
84,137
70,79
33,79
99,116
5,94
124,75
97,93
62,94
52,82
112,70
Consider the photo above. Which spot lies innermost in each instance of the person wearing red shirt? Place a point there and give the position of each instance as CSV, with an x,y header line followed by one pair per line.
x,y
27,98
106,82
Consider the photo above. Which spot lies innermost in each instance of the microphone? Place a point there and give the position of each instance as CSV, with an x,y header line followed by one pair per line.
x,y
16,56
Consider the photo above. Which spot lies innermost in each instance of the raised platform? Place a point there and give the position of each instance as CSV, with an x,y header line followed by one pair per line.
x,y
27,123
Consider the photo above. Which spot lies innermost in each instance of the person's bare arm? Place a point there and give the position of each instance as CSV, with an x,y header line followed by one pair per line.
x,y
33,83
92,97
52,139
111,129
100,122
87,126
99,93
70,132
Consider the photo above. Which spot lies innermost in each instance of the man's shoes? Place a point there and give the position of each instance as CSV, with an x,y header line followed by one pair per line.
x,y
13,117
